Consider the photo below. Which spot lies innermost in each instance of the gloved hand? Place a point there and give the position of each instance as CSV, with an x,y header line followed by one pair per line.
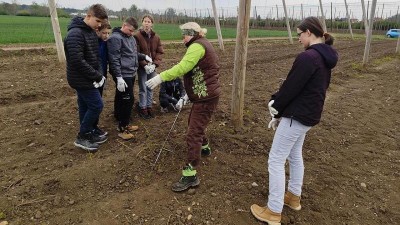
x,y
148,59
149,68
274,123
182,101
154,82
173,100
121,84
99,84
272,110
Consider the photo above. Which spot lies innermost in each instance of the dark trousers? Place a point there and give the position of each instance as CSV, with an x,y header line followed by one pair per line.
x,y
101,95
165,101
123,102
90,106
200,116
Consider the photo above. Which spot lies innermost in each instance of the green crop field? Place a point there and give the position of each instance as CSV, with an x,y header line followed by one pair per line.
x,y
26,29
21,29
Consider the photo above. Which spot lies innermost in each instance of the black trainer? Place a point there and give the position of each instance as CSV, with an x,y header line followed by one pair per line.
x,y
189,179
205,150
99,139
97,131
85,142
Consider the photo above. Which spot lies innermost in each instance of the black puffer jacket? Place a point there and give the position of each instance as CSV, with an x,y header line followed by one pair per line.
x,y
302,94
82,53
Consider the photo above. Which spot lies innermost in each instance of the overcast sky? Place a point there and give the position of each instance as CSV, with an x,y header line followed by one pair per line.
x,y
228,7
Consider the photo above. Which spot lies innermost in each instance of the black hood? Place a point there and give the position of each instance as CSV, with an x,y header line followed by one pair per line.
x,y
329,54
118,30
78,22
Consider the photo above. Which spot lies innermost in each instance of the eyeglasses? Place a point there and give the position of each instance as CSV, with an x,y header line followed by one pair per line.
x,y
298,34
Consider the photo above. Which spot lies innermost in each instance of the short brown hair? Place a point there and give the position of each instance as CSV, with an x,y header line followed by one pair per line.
x,y
132,21
314,26
98,10
105,25
148,16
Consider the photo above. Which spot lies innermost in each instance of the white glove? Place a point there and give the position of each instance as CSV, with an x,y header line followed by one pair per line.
x,y
148,59
121,84
272,110
274,123
99,84
154,82
182,101
149,68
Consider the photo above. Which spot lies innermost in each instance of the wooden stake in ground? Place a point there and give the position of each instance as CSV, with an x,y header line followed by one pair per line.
x,y
287,23
57,31
398,45
348,19
217,26
365,19
239,69
322,16
369,36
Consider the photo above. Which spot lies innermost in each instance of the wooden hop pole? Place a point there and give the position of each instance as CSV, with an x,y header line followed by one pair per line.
x,y
239,70
217,26
323,16
56,31
369,36
287,23
348,19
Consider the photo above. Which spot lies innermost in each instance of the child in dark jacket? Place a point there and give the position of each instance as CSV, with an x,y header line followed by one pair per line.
x,y
103,33
170,93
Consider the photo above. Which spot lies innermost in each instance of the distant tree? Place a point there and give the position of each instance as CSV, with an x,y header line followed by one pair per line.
x,y
134,11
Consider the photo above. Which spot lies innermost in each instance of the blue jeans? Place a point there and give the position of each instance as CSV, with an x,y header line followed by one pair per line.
x,y
90,106
287,144
145,93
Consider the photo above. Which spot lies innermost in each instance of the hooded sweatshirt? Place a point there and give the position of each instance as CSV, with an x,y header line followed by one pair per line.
x,y
302,94
82,53
123,55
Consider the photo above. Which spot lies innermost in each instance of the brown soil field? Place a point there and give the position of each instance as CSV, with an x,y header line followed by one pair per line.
x,y
352,157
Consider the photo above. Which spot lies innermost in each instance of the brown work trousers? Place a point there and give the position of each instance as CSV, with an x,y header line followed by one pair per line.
x,y
200,116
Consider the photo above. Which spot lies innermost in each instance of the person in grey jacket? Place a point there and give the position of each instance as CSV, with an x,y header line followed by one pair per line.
x,y
123,63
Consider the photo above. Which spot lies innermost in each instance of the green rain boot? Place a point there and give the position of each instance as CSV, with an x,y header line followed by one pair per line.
x,y
205,150
188,179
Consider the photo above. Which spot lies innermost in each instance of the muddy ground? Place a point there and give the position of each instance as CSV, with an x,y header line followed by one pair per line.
x,y
352,157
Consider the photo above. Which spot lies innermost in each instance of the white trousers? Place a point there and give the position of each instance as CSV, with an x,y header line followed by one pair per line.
x,y
287,144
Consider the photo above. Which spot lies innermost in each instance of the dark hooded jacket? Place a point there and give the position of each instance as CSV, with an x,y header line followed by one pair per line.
x,y
302,94
82,54
123,55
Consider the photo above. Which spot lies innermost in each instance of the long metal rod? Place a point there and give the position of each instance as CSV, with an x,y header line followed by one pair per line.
x,y
165,141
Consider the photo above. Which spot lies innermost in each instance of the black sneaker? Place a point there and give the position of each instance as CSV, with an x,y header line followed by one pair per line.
x,y
99,139
185,182
85,142
205,150
189,179
97,131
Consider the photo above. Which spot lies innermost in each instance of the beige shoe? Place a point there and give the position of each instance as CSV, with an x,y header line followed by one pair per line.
x,y
132,128
126,135
292,201
265,215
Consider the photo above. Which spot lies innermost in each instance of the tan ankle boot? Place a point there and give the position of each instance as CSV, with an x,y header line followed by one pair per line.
x,y
266,215
292,201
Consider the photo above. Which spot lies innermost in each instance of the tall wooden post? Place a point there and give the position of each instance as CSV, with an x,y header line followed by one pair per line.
x,y
369,36
239,70
57,31
323,16
365,18
398,45
302,12
287,23
348,19
217,26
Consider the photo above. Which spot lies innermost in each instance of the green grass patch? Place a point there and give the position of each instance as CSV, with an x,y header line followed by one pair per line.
x,y
27,29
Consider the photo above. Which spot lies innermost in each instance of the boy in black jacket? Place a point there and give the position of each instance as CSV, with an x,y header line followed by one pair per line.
x,y
170,93
84,74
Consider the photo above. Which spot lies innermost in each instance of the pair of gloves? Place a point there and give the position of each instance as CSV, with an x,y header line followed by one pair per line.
x,y
274,121
121,84
100,83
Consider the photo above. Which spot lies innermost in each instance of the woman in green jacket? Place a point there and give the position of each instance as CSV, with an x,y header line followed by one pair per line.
x,y
200,72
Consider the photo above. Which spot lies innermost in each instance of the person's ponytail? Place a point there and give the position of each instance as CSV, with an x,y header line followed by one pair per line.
x,y
328,39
